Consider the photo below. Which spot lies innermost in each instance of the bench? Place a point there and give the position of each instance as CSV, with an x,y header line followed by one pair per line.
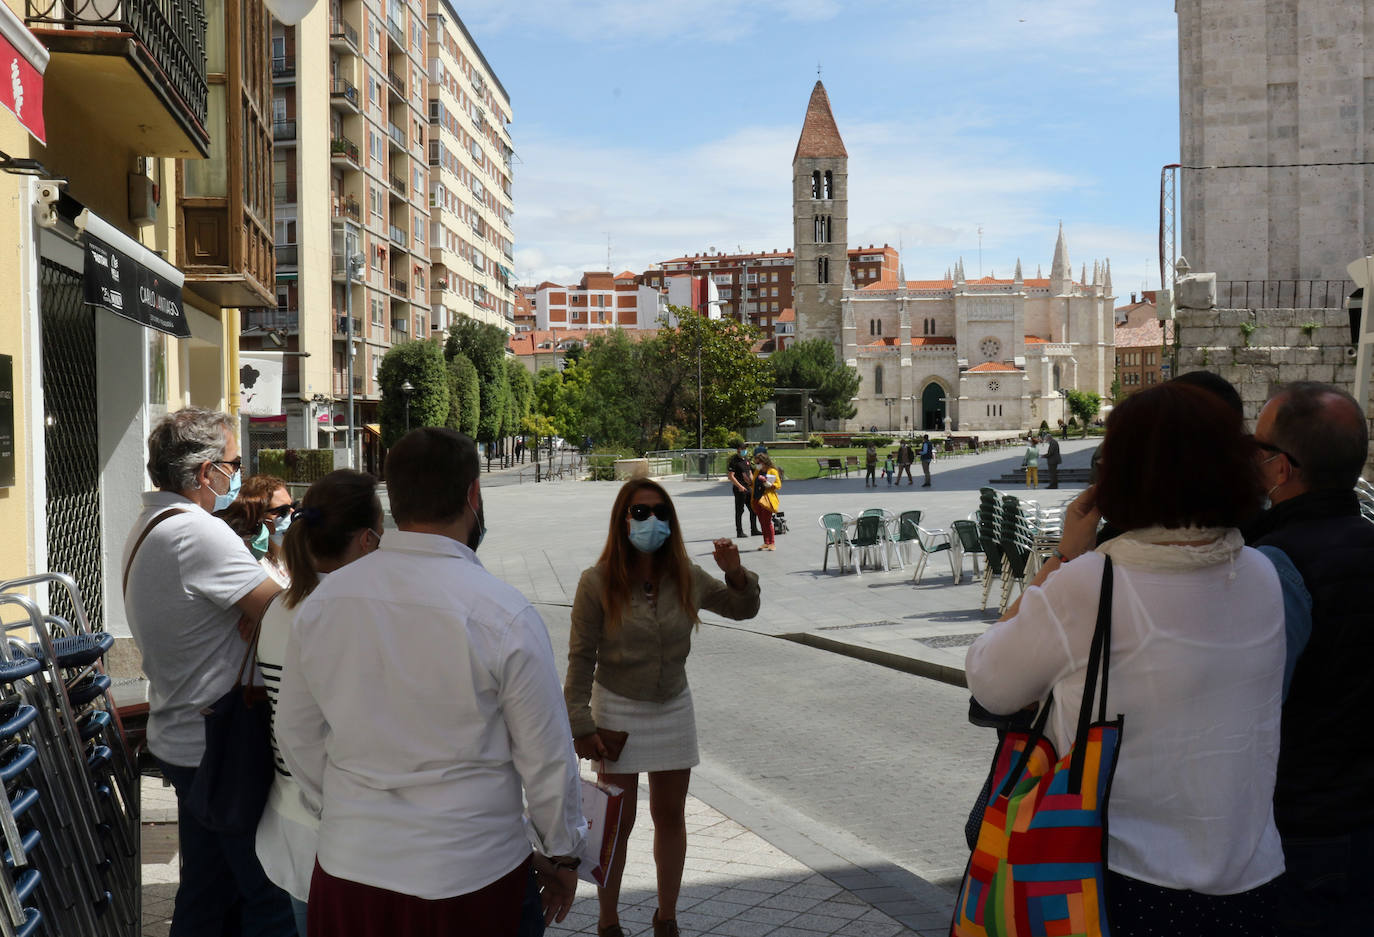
x,y
823,467
850,462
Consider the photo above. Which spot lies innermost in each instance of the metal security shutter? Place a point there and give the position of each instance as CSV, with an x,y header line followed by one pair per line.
x,y
71,440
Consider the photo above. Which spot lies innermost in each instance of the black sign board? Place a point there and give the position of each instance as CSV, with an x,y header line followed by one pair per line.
x,y
127,288
6,421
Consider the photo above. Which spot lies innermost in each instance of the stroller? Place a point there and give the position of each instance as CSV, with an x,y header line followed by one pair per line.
x,y
780,522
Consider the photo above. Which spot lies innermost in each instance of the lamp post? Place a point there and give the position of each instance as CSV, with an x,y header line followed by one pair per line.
x,y
407,389
352,264
701,435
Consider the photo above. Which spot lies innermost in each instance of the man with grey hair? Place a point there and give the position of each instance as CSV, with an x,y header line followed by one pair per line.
x,y
1313,443
188,581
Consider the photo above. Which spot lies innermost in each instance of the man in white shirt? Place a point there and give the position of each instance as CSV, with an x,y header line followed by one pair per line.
x,y
419,698
190,580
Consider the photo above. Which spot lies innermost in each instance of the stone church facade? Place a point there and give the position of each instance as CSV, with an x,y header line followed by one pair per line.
x,y
949,354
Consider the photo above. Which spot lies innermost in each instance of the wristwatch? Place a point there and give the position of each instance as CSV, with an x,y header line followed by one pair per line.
x,y
1059,555
566,862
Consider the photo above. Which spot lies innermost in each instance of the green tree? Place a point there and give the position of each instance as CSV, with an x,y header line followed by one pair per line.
x,y
521,388
422,363
556,399
812,365
611,416
485,346
465,400
1084,405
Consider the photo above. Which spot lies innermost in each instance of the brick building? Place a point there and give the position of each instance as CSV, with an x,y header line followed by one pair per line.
x,y
1140,338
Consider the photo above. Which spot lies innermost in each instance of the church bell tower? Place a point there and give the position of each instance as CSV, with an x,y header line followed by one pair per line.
x,y
820,222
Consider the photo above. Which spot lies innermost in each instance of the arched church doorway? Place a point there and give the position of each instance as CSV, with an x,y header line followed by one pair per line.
x,y
933,407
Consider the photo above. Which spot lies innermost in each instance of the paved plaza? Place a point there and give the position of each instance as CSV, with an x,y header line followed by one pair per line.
x,y
760,862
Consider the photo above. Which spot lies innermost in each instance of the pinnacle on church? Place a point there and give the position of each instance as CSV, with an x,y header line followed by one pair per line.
x,y
1083,274
1038,274
1018,276
848,278
948,274
820,137
1107,278
901,276
1097,273
1060,270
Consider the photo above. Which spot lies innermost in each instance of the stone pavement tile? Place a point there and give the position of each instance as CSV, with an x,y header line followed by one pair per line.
x,y
742,928
774,916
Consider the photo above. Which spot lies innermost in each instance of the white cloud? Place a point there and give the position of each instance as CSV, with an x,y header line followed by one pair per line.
x,y
615,22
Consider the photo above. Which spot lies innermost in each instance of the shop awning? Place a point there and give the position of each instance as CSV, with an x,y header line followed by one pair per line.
x,y
374,428
131,281
21,91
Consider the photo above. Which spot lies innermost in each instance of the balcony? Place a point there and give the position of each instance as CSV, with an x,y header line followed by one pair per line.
x,y
397,82
343,37
137,67
348,207
343,94
401,325
283,131
287,255
400,288
396,135
272,318
341,326
284,69
398,187
398,236
398,35
284,193
343,152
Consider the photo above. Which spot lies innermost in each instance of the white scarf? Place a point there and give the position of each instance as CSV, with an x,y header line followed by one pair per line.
x,y
1158,547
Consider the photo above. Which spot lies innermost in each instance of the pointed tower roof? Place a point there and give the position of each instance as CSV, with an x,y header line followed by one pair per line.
x,y
1018,278
1097,273
1107,278
1060,270
848,278
1083,274
820,138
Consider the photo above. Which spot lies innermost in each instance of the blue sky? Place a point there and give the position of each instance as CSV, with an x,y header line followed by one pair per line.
x,y
670,127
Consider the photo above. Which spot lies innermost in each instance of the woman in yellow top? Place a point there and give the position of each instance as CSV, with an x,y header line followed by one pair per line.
x,y
767,481
632,623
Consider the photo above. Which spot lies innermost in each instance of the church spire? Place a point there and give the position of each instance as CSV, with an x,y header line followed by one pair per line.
x,y
1017,277
1107,279
820,137
1060,270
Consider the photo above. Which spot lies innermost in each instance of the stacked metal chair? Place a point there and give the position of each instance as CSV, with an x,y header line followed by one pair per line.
x,y
69,778
1016,537
989,518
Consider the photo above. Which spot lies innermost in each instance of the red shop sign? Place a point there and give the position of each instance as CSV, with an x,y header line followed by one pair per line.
x,y
22,62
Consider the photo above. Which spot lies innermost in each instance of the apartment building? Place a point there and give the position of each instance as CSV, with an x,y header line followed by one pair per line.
x,y
600,300
762,284
472,247
392,186
1140,341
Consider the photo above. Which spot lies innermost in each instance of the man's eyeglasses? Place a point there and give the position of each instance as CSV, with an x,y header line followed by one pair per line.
x,y
1270,447
235,464
284,509
641,512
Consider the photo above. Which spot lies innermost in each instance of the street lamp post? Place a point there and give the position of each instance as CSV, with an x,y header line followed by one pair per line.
x,y
701,435
407,389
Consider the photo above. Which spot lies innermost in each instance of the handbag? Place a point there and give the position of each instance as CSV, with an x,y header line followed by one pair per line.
x,y
1040,862
235,775
601,805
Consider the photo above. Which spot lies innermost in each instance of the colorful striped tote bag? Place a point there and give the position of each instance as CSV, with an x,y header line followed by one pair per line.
x,y
1039,865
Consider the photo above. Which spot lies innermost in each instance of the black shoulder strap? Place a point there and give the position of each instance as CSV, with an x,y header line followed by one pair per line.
x,y
142,537
1099,658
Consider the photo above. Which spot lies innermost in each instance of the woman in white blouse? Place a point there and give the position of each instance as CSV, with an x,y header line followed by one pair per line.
x,y
340,520
1197,658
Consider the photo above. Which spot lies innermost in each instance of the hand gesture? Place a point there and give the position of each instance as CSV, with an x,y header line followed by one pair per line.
x,y
557,888
726,554
1080,525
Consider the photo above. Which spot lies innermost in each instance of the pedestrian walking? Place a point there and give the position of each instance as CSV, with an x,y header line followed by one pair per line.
x,y
1052,458
905,456
420,708
1192,848
767,481
927,453
189,580
633,619
1030,462
888,468
741,479
871,465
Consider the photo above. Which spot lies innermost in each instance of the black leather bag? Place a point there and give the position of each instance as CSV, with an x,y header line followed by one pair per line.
x,y
235,775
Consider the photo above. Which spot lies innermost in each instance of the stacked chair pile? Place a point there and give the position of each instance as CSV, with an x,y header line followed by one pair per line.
x,y
70,817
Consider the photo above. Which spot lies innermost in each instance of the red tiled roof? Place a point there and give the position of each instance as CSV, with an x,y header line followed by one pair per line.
x,y
626,275
549,285
1035,340
820,138
994,366
787,315
890,283
1148,334
932,339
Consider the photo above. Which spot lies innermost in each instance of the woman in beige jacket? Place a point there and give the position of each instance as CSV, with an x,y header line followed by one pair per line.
x,y
632,624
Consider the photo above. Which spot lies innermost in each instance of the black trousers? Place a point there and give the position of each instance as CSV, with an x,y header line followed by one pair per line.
x,y
1054,474
741,505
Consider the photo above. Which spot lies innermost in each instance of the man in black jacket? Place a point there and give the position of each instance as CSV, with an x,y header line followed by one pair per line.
x,y
1314,444
1052,457
741,482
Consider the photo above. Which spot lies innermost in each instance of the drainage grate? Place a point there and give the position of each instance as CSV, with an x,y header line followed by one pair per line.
x,y
863,624
951,640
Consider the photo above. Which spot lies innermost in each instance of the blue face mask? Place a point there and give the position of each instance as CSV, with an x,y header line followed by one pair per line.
x,y
226,499
282,524
258,546
649,534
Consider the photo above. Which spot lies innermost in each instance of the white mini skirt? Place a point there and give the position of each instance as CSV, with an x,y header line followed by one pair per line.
x,y
663,736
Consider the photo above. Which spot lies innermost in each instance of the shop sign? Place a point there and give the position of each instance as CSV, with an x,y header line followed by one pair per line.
x,y
6,421
117,282
22,63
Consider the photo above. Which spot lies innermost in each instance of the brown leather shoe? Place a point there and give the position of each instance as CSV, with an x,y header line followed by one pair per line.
x,y
612,930
665,928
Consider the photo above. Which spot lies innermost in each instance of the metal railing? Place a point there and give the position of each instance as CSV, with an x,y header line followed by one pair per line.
x,y
400,286
339,88
284,67
342,146
396,134
341,326
398,235
341,30
398,184
396,31
283,191
283,130
173,32
397,82
347,207
277,318
1283,294
287,255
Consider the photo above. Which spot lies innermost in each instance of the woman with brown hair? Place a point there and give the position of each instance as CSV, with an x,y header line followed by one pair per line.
x,y
632,624
271,495
767,481
1197,649
339,521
